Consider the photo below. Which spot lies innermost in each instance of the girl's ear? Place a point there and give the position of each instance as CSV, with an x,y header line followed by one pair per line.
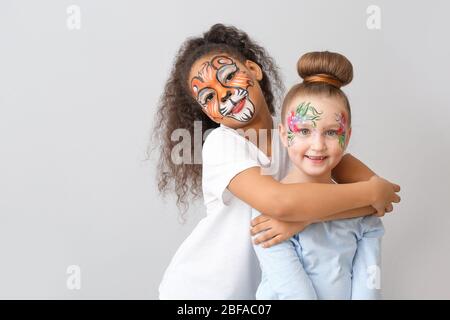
x,y
255,69
283,135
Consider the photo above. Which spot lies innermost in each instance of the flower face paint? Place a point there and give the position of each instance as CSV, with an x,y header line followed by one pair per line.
x,y
340,118
304,112
221,89
315,133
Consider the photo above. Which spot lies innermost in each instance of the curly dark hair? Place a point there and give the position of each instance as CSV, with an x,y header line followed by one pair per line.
x,y
177,109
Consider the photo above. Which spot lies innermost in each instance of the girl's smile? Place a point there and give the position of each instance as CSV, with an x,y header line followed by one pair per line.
x,y
238,106
316,159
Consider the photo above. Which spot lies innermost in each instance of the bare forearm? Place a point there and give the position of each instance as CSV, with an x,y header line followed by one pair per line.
x,y
295,227
350,170
305,202
314,201
354,213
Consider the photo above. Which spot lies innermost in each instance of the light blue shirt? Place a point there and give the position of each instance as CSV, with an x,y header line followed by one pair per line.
x,y
328,260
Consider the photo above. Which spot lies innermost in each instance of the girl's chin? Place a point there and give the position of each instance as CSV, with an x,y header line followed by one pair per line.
x,y
316,173
316,170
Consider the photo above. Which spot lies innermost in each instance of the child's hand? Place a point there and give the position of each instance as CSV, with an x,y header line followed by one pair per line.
x,y
388,209
384,194
274,231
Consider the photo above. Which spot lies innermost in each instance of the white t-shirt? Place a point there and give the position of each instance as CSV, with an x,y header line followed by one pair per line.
x,y
217,260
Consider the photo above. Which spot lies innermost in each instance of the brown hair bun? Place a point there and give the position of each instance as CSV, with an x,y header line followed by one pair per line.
x,y
326,67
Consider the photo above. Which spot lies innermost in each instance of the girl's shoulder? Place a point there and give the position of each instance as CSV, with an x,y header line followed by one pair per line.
x,y
221,136
220,132
227,144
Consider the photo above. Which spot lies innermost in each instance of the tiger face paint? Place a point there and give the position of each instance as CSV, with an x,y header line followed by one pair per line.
x,y
221,89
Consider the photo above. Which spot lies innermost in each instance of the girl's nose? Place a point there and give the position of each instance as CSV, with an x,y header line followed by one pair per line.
x,y
226,97
318,143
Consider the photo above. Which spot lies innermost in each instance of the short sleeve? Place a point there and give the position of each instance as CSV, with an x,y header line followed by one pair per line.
x,y
225,154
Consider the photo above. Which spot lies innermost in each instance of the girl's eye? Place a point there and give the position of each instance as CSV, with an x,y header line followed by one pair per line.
x,y
230,77
227,73
206,98
209,97
304,132
331,133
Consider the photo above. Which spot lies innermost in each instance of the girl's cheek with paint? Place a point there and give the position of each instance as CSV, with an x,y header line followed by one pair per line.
x,y
342,131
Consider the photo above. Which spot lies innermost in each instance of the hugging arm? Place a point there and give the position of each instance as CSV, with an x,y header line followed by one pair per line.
x,y
308,201
353,213
277,231
350,170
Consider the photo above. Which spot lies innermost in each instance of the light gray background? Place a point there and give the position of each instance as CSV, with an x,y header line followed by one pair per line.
x,y
77,107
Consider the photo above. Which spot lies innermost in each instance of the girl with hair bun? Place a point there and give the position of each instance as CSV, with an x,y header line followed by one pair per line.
x,y
337,259
226,84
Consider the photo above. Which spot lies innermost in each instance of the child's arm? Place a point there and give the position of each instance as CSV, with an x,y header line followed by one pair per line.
x,y
350,169
309,201
277,231
285,278
354,213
